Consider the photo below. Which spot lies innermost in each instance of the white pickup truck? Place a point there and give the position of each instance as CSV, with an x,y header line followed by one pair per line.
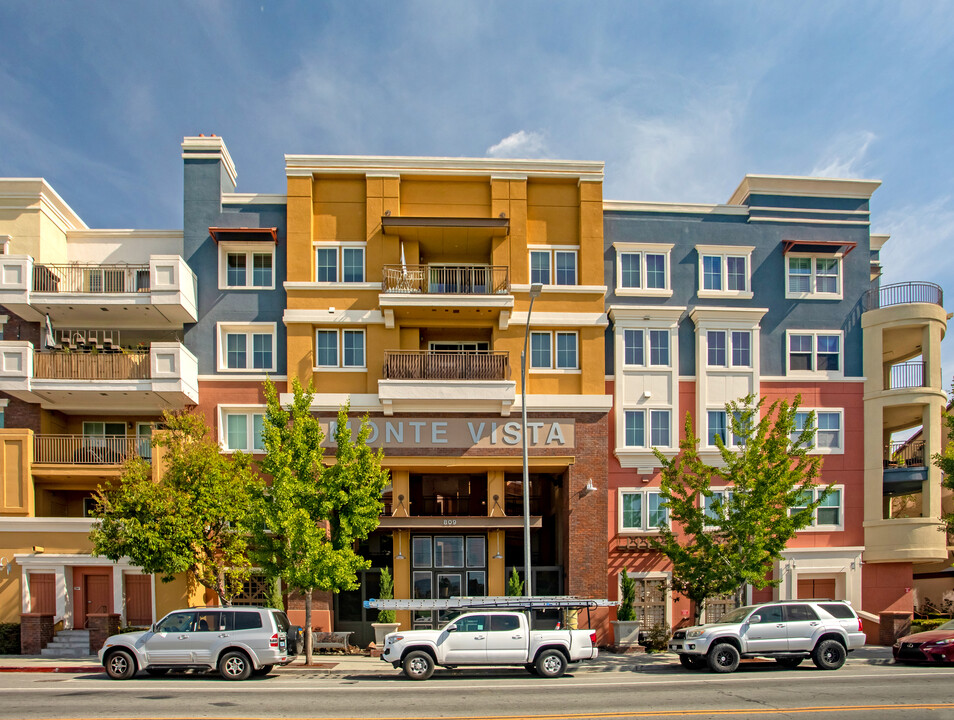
x,y
488,637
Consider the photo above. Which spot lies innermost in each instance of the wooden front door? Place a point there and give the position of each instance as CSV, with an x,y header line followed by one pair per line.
x,y
43,593
138,600
820,588
96,593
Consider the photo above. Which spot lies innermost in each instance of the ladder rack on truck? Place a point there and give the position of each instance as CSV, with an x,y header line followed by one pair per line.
x,y
498,602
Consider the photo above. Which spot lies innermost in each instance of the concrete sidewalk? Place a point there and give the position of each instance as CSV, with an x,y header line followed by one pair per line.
x,y
363,664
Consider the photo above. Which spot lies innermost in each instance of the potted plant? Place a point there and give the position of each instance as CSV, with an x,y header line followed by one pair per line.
x,y
385,623
626,626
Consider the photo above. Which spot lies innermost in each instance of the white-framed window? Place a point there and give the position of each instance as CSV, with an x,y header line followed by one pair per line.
x,y
556,350
725,271
715,506
647,425
241,429
718,423
246,266
829,430
813,276
339,262
555,265
246,347
830,514
643,269
340,348
641,510
815,352
729,348
646,347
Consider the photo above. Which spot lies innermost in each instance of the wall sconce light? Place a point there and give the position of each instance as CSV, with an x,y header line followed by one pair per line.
x,y
853,565
498,556
400,555
588,488
497,506
6,564
400,506
38,549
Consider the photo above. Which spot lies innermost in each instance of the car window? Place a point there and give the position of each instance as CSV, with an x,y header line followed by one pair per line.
x,y
504,623
208,621
737,615
281,621
176,622
800,613
838,610
246,620
472,623
770,614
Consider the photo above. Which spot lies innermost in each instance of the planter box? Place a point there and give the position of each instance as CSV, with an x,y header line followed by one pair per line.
x,y
382,629
626,636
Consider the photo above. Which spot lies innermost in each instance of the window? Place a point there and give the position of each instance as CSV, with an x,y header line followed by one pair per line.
x,y
741,348
659,347
829,513
717,428
642,269
719,425
716,342
633,353
635,430
553,266
715,506
542,355
336,262
725,271
810,276
246,266
339,348
642,511
819,353
723,346
828,430
247,347
242,430
634,347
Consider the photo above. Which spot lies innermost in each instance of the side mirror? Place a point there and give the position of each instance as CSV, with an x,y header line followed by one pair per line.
x,y
152,628
755,619
451,628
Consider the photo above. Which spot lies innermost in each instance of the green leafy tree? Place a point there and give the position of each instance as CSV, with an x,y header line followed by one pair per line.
x,y
514,584
312,515
748,528
625,612
386,592
195,519
945,461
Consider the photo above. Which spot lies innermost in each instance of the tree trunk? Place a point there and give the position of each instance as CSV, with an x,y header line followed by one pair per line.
x,y
308,639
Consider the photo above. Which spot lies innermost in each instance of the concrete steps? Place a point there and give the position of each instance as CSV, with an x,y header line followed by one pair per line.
x,y
68,644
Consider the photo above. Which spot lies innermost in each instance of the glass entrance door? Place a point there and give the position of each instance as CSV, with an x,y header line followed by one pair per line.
x,y
445,566
350,614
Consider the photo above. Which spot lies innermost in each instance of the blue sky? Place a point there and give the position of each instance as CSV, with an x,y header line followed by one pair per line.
x,y
680,99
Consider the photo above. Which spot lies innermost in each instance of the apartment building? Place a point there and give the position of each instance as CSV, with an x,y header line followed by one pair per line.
x,y
774,293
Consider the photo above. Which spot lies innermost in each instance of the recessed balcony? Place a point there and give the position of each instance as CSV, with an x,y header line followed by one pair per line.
x,y
87,449
904,468
156,294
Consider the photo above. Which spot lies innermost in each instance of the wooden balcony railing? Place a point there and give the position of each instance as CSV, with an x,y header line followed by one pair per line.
x,y
904,453
87,450
426,365
91,366
447,279
904,293
907,375
91,278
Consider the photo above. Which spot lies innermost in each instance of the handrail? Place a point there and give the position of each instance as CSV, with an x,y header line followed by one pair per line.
x,y
439,365
902,294
91,366
905,452
447,279
87,449
907,375
89,278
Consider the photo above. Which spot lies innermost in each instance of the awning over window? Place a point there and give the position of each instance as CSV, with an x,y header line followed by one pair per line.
x,y
818,246
221,234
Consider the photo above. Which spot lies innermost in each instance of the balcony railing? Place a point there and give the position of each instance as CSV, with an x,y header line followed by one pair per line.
x,y
87,450
904,293
447,279
904,453
96,279
91,366
907,375
425,365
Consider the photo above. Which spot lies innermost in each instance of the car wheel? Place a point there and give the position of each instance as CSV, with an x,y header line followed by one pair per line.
x,y
120,665
789,663
157,672
262,671
235,665
691,662
418,665
723,658
550,664
829,655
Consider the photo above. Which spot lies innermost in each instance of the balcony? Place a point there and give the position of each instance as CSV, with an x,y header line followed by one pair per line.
x,y
165,377
904,467
416,380
443,293
87,450
903,294
906,375
153,295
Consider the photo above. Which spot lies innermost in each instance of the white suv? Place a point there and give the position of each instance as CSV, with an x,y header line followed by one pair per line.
x,y
239,641
788,631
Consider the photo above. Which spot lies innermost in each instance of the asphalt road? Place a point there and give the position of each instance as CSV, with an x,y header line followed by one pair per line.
x,y
754,692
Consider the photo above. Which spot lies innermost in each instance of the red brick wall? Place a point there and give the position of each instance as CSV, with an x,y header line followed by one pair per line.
x,y
19,414
36,631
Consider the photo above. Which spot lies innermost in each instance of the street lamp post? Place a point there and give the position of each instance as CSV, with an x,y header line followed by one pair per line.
x,y
535,290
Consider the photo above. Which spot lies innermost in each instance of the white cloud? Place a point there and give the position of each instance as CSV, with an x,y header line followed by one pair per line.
x,y
521,144
846,157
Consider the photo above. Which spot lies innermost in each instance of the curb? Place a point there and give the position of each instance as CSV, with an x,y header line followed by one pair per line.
x,y
53,669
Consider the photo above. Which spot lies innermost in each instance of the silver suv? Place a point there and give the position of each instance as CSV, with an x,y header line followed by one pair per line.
x,y
789,631
238,641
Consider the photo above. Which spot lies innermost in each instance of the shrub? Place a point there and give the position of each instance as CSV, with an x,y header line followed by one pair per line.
x,y
625,612
386,592
657,637
514,584
927,624
9,638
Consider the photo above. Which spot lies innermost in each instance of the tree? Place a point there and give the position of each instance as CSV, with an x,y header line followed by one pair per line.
x,y
514,584
386,592
312,515
748,526
625,612
196,518
945,461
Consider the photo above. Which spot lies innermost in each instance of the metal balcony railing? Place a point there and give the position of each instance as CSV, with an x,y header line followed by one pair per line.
x,y
447,279
87,450
426,365
907,375
91,278
91,366
904,453
904,293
